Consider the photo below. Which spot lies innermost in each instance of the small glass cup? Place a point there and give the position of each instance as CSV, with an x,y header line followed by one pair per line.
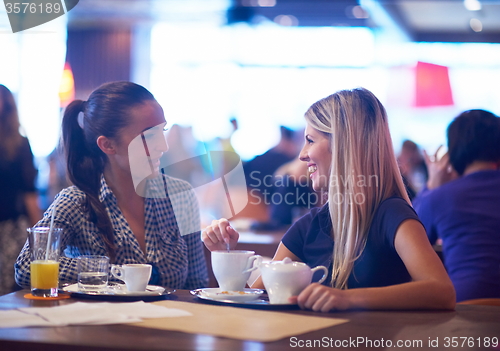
x,y
93,274
44,268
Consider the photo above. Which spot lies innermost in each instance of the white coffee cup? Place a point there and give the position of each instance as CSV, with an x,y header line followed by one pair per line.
x,y
284,279
135,276
232,268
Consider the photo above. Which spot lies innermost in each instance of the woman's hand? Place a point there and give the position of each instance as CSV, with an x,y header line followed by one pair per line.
x,y
440,169
322,298
220,233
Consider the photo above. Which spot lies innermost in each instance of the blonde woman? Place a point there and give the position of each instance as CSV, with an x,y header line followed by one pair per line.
x,y
367,233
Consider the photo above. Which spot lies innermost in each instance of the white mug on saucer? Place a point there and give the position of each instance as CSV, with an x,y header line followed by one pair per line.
x,y
135,276
284,279
232,268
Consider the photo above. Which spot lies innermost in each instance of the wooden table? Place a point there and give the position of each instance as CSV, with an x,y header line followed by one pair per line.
x,y
365,330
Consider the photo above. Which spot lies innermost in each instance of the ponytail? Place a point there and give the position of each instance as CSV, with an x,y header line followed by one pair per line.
x,y
85,165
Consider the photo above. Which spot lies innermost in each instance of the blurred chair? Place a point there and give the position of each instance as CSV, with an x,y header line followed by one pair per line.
x,y
485,302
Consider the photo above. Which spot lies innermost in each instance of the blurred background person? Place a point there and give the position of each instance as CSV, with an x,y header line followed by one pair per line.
x,y
19,207
413,168
266,189
200,164
294,197
259,171
461,204
182,162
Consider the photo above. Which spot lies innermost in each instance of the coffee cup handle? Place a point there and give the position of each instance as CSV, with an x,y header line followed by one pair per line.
x,y
317,268
117,272
251,263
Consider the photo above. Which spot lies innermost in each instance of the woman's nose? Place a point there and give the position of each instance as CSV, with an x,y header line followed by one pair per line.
x,y
162,144
303,155
165,145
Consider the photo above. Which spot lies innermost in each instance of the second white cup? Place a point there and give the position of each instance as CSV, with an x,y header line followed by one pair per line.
x,y
283,279
135,276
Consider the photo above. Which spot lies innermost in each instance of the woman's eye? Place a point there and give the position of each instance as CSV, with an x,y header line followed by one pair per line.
x,y
309,141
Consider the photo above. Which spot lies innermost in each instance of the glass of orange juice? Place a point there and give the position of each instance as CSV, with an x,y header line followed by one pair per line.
x,y
44,245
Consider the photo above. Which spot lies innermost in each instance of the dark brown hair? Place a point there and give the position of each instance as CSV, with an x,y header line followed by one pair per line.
x,y
474,135
10,138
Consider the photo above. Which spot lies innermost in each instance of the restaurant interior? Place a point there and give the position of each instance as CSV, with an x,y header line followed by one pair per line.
x,y
263,62
239,75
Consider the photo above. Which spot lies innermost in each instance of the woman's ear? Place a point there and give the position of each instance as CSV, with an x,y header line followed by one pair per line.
x,y
106,145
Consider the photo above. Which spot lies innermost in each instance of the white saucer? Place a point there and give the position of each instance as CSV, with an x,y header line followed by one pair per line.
x,y
119,289
236,296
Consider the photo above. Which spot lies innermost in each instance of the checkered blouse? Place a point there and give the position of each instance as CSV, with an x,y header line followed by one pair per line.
x,y
178,260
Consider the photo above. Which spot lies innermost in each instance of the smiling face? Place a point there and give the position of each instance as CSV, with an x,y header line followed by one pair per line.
x,y
318,155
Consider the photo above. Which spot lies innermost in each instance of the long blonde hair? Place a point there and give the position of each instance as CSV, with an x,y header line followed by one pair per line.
x,y
363,173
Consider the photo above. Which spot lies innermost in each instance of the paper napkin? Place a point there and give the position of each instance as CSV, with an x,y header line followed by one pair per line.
x,y
81,313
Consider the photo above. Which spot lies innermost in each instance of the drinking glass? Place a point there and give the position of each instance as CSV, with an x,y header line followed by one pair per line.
x,y
93,273
44,268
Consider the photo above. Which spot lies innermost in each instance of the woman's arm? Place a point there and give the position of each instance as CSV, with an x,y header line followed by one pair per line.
x,y
67,266
22,267
72,222
190,218
430,288
197,270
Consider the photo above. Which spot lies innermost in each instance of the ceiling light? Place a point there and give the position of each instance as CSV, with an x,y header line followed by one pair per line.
x,y
258,3
267,3
472,5
286,20
250,3
476,25
359,12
